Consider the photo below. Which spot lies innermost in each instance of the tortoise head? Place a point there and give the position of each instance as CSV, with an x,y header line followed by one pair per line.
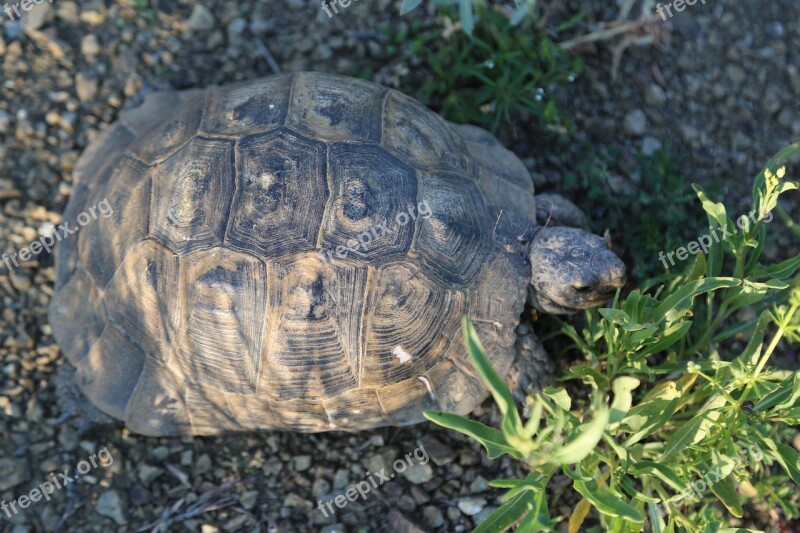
x,y
572,269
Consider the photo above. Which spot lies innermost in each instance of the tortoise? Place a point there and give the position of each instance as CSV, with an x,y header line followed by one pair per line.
x,y
231,287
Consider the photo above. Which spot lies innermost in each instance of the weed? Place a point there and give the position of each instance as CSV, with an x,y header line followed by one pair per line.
x,y
676,428
495,75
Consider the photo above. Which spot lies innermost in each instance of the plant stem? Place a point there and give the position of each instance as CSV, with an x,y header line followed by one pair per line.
x,y
721,316
767,354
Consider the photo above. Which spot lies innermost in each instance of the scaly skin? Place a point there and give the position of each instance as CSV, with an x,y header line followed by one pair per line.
x,y
533,369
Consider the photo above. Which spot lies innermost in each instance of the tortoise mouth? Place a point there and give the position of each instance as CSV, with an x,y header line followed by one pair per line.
x,y
549,305
607,292
601,295
580,299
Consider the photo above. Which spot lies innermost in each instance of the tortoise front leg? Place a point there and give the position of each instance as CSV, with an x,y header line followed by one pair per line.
x,y
533,369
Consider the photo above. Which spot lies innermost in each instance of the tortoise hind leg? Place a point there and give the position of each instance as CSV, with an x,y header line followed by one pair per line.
x,y
75,406
154,108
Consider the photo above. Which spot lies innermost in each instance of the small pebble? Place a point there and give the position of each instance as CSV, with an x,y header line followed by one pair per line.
x,y
636,123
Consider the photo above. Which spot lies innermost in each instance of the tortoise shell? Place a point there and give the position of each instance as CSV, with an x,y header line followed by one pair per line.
x,y
232,287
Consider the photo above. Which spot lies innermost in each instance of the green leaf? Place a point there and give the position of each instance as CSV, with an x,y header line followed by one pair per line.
x,y
699,268
683,437
539,517
606,501
781,271
750,293
792,416
784,396
715,210
465,14
560,396
790,461
631,306
634,340
633,328
783,156
534,420
752,352
726,492
587,373
502,396
519,14
792,400
716,260
656,516
615,316
755,255
661,471
621,452
585,442
408,5
622,387
504,483
773,198
491,439
651,414
778,395
678,304
507,514
620,525
529,483
626,485
724,489
671,335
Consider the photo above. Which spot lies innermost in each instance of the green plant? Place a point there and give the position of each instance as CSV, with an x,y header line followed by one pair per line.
x,y
396,38
667,408
495,74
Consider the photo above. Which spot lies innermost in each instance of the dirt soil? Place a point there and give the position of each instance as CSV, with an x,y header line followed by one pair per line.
x,y
720,87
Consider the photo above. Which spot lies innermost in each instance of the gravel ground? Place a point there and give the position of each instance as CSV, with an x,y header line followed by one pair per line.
x,y
720,86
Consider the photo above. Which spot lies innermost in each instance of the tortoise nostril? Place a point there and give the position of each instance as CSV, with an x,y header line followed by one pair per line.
x,y
618,277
